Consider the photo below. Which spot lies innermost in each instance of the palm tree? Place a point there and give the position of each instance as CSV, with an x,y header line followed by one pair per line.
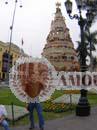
x,y
90,42
94,63
79,49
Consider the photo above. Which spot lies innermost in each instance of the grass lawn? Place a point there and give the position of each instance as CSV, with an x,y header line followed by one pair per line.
x,y
92,99
7,97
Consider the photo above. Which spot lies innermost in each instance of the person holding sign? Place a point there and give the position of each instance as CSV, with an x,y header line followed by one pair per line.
x,y
34,81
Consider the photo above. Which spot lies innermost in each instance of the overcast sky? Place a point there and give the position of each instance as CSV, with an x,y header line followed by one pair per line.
x,y
32,23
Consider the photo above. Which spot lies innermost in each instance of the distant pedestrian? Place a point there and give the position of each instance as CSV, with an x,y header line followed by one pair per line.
x,y
3,114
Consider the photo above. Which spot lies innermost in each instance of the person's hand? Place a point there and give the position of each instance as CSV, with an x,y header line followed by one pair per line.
x,y
2,118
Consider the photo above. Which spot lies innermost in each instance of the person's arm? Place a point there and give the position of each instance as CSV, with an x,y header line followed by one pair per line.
x,y
27,106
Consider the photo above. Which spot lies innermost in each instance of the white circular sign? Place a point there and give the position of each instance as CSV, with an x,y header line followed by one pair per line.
x,y
32,77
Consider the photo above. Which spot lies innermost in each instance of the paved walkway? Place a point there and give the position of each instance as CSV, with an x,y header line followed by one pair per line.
x,y
71,122
18,111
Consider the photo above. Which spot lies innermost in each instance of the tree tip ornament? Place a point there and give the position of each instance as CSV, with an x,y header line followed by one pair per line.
x,y
31,77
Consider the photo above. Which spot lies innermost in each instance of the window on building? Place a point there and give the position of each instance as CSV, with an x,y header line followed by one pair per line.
x,y
55,58
65,57
5,59
59,57
0,63
62,57
72,57
0,49
65,46
0,75
4,76
51,57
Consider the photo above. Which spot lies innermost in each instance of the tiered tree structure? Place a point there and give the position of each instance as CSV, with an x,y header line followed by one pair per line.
x,y
59,49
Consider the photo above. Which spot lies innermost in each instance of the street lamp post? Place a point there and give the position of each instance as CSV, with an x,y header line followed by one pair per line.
x,y
10,42
83,107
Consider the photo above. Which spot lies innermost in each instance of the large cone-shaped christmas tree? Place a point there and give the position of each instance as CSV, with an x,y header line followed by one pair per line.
x,y
59,49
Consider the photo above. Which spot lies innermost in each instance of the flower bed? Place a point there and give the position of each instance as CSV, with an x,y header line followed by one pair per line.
x,y
48,106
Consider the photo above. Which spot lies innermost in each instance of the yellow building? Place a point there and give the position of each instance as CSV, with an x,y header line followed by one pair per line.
x,y
15,53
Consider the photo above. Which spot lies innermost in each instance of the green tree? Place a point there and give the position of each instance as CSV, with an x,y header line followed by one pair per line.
x,y
94,63
92,37
90,40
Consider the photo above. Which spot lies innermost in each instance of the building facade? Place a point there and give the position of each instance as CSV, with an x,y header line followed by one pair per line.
x,y
4,57
59,49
